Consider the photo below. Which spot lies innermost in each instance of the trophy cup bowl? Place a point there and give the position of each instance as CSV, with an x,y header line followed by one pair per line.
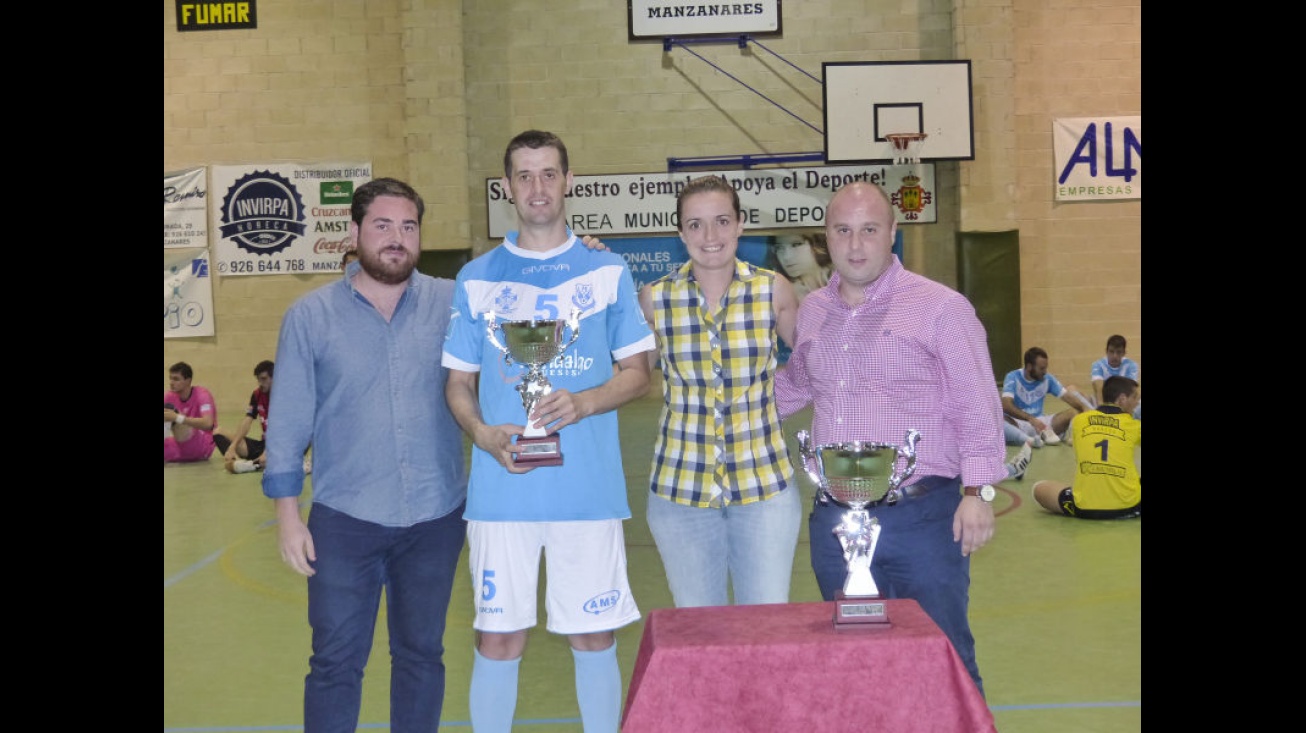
x,y
533,344
856,474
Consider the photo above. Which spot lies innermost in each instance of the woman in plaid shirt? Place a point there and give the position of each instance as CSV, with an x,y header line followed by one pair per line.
x,y
723,503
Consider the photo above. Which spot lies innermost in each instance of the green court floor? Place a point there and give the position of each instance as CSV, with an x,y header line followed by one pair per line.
x,y
1056,608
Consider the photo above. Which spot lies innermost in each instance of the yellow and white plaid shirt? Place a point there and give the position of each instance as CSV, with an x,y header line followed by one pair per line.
x,y
720,440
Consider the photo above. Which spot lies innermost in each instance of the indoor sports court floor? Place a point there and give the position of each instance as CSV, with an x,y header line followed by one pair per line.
x,y
1056,607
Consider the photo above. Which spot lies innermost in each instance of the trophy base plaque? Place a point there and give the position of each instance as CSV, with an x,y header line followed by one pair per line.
x,y
542,451
859,612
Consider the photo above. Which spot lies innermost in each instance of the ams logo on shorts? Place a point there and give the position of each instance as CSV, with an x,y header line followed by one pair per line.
x,y
602,602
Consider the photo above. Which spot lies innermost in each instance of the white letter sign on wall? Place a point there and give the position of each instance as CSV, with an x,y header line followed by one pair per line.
x,y
1098,158
777,198
668,18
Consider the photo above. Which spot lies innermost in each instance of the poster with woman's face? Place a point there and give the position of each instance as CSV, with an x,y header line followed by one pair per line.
x,y
803,258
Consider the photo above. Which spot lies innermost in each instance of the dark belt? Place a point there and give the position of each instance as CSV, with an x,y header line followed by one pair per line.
x,y
913,491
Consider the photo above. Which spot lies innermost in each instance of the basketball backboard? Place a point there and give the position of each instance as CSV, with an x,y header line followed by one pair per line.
x,y
866,100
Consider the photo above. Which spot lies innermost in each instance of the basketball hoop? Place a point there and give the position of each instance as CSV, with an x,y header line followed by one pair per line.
x,y
906,146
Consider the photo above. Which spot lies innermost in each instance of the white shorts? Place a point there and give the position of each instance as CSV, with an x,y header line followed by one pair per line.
x,y
587,590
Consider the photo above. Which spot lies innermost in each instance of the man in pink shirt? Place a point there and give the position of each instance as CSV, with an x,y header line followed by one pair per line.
x,y
880,351
192,415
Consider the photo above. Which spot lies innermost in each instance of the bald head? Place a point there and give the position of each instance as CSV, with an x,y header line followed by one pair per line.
x,y
862,189
860,228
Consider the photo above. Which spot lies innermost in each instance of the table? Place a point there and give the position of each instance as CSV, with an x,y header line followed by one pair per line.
x,y
784,667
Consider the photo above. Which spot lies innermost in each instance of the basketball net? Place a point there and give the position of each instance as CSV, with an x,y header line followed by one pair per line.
x,y
906,146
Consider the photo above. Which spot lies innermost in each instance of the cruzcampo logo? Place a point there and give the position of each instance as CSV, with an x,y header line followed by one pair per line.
x,y
337,193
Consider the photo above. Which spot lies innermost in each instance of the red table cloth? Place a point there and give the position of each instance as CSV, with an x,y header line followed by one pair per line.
x,y
784,667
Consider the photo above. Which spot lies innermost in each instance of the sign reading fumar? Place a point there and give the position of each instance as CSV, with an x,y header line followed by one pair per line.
x,y
201,16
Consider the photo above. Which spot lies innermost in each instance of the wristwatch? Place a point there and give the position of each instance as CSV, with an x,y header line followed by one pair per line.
x,y
986,493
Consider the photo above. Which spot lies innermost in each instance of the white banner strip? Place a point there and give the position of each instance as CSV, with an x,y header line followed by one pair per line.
x,y
779,198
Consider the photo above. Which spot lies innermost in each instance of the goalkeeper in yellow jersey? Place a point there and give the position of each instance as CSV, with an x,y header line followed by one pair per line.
x,y
1107,484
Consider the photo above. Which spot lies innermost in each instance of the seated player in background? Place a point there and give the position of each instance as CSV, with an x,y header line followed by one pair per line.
x,y
241,453
1107,484
1023,392
189,417
1115,364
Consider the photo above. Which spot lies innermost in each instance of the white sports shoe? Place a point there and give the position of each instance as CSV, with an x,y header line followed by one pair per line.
x,y
1050,438
243,466
1017,465
308,465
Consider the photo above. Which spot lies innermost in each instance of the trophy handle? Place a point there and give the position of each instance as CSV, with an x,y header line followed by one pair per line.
x,y
907,451
810,458
489,332
573,322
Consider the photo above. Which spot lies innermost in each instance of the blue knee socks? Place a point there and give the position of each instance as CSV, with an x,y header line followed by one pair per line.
x,y
493,698
598,689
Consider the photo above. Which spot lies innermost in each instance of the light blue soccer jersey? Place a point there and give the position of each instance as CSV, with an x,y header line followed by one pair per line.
x,y
1028,395
1102,369
518,284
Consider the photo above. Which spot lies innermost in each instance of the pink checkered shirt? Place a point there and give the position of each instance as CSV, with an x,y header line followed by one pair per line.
x,y
912,355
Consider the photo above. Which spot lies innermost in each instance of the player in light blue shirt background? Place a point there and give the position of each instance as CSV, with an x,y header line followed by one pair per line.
x,y
1116,364
1023,392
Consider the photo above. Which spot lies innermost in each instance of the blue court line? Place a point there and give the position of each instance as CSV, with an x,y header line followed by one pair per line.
x,y
1055,705
169,582
576,721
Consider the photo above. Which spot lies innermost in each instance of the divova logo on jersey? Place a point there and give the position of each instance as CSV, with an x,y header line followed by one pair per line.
x,y
262,213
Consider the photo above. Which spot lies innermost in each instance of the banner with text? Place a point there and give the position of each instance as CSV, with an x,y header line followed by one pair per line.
x,y
283,218
779,198
1098,158
185,209
187,293
665,18
187,289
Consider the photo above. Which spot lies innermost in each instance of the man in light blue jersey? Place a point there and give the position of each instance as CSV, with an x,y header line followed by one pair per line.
x,y
571,512
1115,364
1023,392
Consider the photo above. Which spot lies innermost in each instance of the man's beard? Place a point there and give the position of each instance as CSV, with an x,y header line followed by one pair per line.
x,y
390,273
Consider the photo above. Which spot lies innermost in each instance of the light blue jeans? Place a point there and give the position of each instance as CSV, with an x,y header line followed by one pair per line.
x,y
749,547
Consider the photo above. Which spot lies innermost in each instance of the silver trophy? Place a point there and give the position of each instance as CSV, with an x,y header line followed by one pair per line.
x,y
855,475
533,344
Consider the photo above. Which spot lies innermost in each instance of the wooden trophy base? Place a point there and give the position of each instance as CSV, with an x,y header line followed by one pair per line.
x,y
542,451
859,612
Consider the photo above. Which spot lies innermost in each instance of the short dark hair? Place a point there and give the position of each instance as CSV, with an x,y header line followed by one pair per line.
x,y
535,139
1033,354
1116,387
365,194
706,184
1116,342
263,366
183,369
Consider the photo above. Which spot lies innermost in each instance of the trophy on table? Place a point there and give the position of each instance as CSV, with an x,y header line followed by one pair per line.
x,y
534,343
855,475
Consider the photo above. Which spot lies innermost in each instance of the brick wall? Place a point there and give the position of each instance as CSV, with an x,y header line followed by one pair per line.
x,y
432,92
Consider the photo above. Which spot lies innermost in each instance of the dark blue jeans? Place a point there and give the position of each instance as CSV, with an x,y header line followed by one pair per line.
x,y
355,561
914,558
